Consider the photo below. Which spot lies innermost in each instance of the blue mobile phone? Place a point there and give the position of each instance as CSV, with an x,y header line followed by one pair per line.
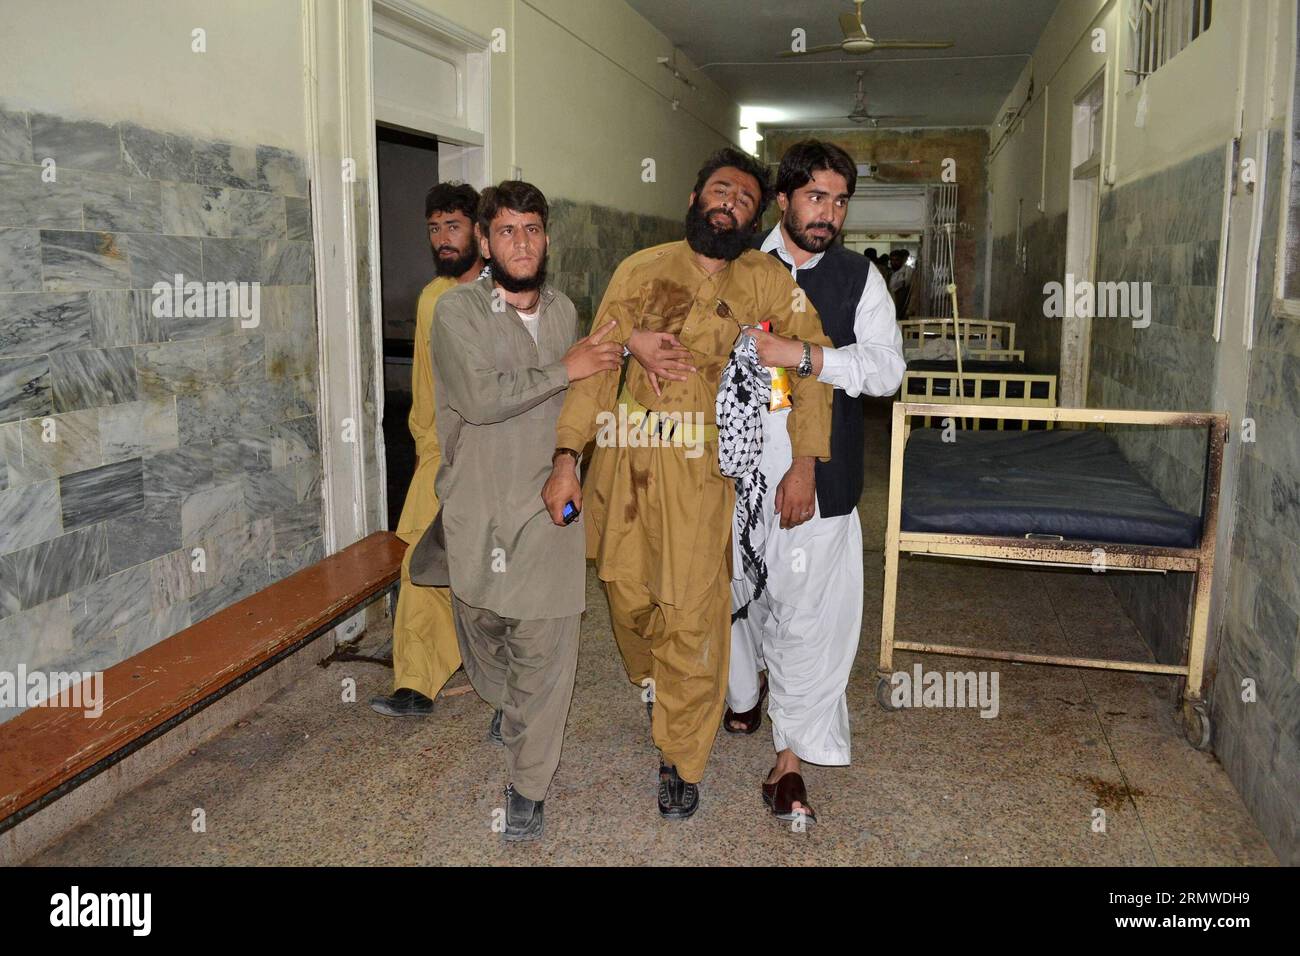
x,y
570,513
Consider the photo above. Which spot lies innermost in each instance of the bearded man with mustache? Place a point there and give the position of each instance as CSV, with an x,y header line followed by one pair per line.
x,y
803,626
425,654
504,348
659,517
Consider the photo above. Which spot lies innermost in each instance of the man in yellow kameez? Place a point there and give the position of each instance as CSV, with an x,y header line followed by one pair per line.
x,y
659,515
425,653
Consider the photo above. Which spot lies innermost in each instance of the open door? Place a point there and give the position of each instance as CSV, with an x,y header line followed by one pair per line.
x,y
1081,235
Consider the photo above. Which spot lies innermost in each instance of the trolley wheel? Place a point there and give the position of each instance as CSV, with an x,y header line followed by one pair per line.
x,y
1196,724
884,693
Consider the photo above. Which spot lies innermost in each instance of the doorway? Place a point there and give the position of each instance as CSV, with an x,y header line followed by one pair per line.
x,y
431,94
1081,235
888,217
406,168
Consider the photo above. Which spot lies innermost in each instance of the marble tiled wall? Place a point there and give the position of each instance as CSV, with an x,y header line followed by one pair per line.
x,y
1259,742
1162,229
1017,291
169,434
589,241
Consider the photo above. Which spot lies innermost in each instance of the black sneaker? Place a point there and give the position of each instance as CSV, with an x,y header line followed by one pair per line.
x,y
403,702
494,729
677,798
524,819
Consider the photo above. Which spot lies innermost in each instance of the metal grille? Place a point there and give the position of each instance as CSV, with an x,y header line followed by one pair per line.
x,y
1160,29
937,248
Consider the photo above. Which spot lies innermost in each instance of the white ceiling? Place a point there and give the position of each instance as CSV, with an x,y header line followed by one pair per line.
x,y
735,42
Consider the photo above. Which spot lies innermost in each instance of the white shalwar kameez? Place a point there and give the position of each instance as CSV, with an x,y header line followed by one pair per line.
x,y
804,628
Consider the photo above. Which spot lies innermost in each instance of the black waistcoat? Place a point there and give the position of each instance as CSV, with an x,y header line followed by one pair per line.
x,y
834,286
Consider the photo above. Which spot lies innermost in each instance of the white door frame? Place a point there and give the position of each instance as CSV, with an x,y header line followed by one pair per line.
x,y
1081,232
336,91
463,140
341,116
339,109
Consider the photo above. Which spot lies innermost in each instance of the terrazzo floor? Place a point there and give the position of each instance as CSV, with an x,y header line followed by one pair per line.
x,y
309,779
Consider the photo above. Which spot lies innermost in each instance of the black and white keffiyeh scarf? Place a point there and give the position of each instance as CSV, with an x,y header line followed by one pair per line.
x,y
743,397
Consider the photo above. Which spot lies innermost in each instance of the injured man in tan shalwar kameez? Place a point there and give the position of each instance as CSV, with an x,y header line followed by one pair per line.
x,y
659,513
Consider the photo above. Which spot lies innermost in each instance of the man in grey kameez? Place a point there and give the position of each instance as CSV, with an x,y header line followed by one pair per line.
x,y
504,349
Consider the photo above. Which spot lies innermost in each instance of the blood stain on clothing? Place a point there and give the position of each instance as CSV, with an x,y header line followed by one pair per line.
x,y
666,306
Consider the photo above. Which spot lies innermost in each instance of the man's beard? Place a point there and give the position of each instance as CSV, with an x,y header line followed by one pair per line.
x,y
456,267
513,283
800,234
713,243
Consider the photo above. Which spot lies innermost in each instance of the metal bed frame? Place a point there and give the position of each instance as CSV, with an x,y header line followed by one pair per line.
x,y
975,334
981,388
1072,553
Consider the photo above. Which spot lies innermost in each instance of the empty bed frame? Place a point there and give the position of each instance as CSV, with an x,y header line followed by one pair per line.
x,y
990,339
979,383
987,375
1050,498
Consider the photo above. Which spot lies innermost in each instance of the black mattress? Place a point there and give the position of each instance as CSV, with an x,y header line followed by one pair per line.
x,y
968,366
1073,483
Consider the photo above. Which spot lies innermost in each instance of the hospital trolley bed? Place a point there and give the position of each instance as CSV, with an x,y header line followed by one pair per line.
x,y
1060,497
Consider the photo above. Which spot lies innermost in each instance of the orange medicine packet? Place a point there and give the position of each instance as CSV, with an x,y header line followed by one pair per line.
x,y
780,381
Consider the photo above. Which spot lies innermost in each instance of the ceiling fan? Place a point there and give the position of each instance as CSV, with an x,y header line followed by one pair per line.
x,y
858,42
860,114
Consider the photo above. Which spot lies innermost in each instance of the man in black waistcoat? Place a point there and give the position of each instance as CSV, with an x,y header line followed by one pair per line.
x,y
802,623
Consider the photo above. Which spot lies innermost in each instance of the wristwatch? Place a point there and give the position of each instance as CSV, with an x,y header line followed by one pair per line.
x,y
564,451
805,364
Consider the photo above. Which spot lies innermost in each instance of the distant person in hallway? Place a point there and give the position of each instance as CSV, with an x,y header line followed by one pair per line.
x,y
425,654
900,280
873,258
659,515
802,628
882,261
505,347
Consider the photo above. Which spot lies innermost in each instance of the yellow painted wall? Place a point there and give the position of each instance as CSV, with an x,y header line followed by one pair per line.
x,y
1061,67
115,60
590,115
1191,103
578,101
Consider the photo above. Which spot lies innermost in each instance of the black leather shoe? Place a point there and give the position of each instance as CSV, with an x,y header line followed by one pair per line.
x,y
403,702
523,817
494,728
677,798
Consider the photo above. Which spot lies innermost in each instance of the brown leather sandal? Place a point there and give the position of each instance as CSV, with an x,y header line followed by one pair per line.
x,y
781,797
751,719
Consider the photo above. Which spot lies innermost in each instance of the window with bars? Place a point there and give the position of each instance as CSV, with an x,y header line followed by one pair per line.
x,y
1161,29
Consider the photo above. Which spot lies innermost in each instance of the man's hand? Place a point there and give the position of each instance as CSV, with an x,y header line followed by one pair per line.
x,y
774,351
796,495
593,354
663,357
777,352
563,486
